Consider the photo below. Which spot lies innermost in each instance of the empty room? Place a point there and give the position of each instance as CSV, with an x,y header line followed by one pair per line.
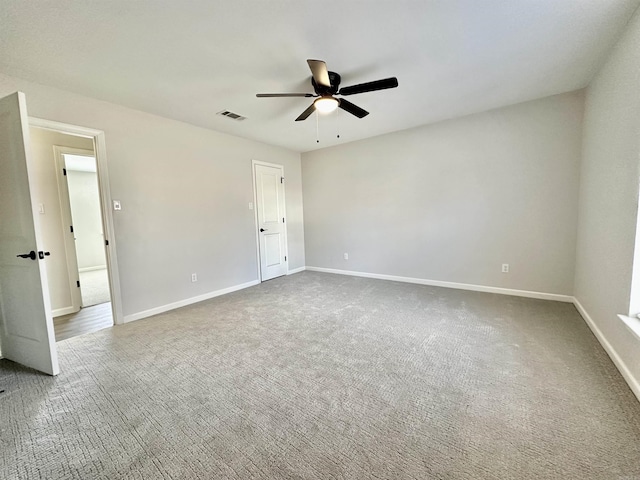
x,y
342,240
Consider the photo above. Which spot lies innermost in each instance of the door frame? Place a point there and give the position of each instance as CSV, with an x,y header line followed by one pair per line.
x,y
67,220
255,212
100,152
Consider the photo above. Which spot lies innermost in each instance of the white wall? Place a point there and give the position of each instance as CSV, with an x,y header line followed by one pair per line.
x,y
454,200
84,198
185,193
608,207
42,142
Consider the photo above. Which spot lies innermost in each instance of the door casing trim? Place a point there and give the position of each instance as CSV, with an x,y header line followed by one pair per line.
x,y
67,220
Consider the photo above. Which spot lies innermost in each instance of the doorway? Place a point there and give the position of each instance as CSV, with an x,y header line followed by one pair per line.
x,y
84,244
79,271
81,215
268,186
71,225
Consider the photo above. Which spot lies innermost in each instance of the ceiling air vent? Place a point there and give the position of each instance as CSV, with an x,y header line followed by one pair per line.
x,y
231,115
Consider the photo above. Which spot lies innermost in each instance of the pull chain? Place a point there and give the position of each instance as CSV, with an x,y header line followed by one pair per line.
x,y
317,127
338,123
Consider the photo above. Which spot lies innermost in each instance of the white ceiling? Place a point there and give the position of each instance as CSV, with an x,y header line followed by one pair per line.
x,y
188,60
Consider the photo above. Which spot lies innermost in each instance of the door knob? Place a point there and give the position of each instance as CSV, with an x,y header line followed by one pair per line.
x,y
263,229
31,255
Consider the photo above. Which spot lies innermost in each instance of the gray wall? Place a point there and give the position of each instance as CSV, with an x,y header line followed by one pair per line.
x,y
185,193
608,212
84,198
42,142
454,200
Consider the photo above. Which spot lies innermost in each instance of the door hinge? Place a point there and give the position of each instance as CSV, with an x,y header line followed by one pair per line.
x,y
282,219
78,283
106,242
64,172
281,179
71,228
285,258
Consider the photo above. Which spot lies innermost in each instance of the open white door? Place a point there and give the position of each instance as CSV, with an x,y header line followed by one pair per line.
x,y
269,192
26,325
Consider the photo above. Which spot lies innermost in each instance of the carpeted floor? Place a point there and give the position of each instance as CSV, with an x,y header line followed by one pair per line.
x,y
326,376
94,287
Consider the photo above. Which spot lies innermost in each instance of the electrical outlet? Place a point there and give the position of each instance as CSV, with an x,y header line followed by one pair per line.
x,y
117,205
194,277
505,268
346,256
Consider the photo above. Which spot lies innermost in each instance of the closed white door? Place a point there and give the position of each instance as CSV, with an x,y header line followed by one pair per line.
x,y
26,325
269,185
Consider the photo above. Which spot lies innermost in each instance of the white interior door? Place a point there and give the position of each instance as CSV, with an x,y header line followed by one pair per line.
x,y
26,325
269,185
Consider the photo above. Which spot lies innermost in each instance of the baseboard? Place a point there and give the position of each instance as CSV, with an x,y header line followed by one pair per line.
x,y
633,382
296,270
58,312
459,286
91,269
188,301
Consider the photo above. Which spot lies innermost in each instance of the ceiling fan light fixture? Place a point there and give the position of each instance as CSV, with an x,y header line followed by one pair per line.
x,y
326,104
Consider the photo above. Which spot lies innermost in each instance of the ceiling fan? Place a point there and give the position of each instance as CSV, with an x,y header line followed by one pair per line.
x,y
326,85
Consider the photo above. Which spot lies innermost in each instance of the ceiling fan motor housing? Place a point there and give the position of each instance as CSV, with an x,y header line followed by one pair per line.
x,y
334,80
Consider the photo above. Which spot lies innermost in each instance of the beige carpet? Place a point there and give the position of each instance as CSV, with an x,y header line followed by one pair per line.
x,y
323,376
94,287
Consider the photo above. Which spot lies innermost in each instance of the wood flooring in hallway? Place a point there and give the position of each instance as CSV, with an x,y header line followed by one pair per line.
x,y
87,320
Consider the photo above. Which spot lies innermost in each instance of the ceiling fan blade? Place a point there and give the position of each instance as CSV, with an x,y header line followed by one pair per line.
x,y
319,72
347,106
279,95
391,82
306,113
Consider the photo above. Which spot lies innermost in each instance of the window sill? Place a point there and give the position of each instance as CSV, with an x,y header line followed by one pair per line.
x,y
632,323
